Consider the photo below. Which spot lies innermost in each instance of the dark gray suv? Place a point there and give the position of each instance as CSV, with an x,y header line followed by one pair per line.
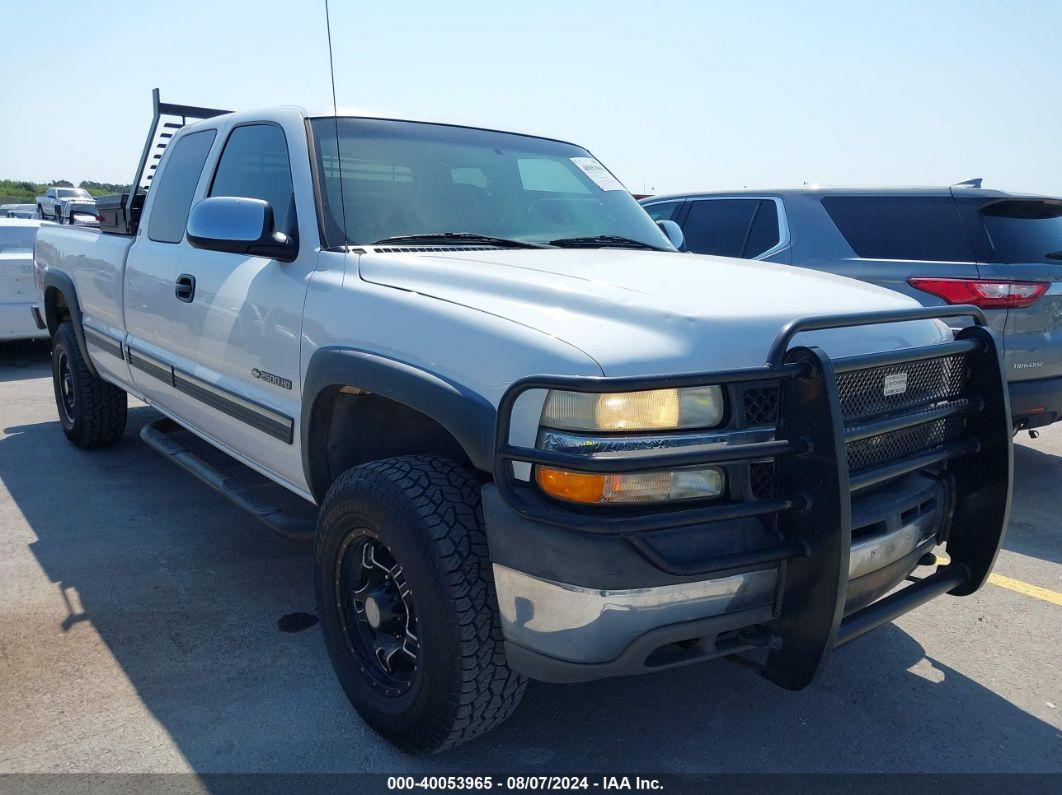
x,y
959,245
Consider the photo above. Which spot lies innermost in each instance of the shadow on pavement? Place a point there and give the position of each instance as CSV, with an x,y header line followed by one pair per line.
x,y
186,592
1034,515
24,359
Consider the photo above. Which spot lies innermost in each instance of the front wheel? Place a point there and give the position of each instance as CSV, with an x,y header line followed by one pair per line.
x,y
91,411
406,597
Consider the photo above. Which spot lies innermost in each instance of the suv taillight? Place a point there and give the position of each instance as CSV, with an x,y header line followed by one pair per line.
x,y
985,293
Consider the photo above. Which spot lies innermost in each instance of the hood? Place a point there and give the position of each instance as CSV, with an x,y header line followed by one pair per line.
x,y
650,312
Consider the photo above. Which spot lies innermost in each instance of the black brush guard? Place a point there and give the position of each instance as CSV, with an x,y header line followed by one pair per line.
x,y
812,481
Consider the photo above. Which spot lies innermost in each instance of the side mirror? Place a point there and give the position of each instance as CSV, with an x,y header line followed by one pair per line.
x,y
239,226
673,232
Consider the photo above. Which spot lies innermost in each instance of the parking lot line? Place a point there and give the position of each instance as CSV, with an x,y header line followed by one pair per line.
x,y
1035,591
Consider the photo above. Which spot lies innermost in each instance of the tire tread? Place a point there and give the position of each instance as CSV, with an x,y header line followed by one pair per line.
x,y
445,498
102,408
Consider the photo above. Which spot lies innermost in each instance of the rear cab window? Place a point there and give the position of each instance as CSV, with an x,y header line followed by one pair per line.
x,y
175,187
920,228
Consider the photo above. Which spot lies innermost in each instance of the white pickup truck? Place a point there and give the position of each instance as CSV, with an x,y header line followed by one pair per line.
x,y
532,439
63,204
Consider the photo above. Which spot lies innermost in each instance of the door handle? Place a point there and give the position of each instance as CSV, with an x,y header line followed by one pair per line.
x,y
185,289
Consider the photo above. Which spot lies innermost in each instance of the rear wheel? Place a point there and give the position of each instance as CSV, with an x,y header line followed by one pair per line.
x,y
91,411
407,603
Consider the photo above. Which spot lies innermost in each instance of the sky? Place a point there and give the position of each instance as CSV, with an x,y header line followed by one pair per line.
x,y
671,95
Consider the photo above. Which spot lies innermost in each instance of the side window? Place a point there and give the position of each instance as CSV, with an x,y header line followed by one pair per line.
x,y
664,211
175,186
926,228
763,234
719,226
254,165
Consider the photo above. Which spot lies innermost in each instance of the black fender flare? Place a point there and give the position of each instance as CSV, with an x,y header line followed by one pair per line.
x,y
468,416
61,281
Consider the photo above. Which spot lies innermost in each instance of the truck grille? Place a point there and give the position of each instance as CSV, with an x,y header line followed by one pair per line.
x,y
863,392
761,405
893,446
761,479
928,383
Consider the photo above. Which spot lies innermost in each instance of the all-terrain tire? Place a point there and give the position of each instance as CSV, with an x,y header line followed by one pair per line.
x,y
92,412
426,510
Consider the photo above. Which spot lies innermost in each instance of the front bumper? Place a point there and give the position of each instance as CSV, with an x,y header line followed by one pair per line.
x,y
560,631
586,594
1036,402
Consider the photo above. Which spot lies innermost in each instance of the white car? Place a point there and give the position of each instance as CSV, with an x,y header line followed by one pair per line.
x,y
18,292
18,211
532,438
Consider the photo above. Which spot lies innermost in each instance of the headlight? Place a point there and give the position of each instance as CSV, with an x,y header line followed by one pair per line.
x,y
653,410
631,487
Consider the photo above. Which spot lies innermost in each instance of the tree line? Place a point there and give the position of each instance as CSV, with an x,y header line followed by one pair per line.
x,y
25,192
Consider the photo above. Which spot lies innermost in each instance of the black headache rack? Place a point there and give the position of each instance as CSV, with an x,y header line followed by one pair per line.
x,y
833,419
120,212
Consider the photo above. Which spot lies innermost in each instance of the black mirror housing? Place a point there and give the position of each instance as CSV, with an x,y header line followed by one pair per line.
x,y
239,225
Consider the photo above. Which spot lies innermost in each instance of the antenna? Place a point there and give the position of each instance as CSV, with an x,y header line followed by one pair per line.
x,y
969,183
335,120
331,63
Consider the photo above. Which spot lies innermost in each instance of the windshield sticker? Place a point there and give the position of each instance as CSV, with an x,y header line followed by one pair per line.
x,y
601,176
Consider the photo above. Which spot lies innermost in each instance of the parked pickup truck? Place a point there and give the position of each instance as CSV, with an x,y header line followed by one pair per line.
x,y
542,443
62,204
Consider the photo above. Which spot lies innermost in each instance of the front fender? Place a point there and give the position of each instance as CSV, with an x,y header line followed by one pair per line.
x,y
468,416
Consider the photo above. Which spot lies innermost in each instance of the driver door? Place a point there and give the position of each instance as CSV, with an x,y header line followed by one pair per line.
x,y
236,331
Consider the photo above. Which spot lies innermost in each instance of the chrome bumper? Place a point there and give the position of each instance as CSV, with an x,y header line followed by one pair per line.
x,y
590,626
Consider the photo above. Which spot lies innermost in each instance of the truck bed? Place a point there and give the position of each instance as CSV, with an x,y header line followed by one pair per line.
x,y
95,261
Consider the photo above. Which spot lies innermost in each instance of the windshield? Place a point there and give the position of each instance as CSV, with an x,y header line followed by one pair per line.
x,y
1024,231
17,239
381,179
73,193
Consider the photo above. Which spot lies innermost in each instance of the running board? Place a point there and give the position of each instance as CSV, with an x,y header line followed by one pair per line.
x,y
280,510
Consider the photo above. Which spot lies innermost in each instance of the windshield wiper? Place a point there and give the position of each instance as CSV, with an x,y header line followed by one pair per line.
x,y
1054,255
603,241
457,237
